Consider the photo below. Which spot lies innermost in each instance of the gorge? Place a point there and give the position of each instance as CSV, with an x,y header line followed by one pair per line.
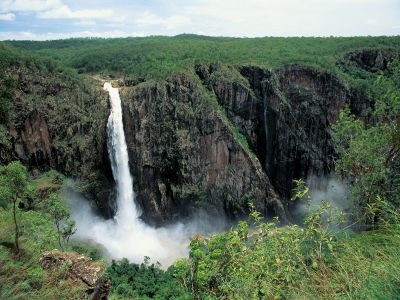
x,y
211,138
262,168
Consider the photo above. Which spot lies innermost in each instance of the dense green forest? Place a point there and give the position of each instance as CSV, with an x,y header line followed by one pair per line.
x,y
330,254
158,57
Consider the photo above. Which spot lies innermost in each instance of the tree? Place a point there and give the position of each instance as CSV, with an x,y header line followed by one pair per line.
x,y
369,154
14,188
62,219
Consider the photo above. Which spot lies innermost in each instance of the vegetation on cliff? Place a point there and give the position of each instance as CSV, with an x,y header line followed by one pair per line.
x,y
53,118
322,259
329,255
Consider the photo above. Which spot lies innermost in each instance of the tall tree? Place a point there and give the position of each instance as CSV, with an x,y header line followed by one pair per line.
x,y
14,188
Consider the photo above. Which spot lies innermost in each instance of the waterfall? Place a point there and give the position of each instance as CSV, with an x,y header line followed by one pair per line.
x,y
127,236
127,212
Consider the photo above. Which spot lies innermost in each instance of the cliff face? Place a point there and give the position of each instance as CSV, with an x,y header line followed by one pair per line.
x,y
57,120
183,156
368,59
235,135
32,142
299,105
286,114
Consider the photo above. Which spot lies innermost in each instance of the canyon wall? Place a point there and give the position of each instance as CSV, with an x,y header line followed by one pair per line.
x,y
213,139
184,157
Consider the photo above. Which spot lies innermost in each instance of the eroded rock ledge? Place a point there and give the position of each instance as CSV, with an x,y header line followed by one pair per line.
x,y
81,270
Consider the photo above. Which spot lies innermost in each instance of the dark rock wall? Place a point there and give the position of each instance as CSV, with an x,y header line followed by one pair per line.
x,y
32,142
299,110
369,59
183,157
286,114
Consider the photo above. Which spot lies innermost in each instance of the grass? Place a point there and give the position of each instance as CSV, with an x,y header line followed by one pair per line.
x,y
364,265
23,277
367,267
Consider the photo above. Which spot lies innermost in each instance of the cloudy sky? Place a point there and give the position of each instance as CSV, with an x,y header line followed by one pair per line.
x,y
53,19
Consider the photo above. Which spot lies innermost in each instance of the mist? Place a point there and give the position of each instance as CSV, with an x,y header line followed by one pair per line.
x,y
164,245
329,188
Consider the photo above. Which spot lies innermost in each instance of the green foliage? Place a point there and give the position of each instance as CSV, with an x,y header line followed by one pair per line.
x,y
14,188
158,56
92,251
319,261
322,260
143,281
14,181
346,130
367,153
73,106
239,137
24,277
386,90
61,217
5,144
255,260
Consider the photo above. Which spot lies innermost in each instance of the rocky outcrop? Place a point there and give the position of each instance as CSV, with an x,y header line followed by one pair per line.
x,y
184,157
235,95
84,273
32,141
369,59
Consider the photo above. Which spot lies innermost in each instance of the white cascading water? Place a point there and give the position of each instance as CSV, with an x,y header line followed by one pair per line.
x,y
127,236
118,152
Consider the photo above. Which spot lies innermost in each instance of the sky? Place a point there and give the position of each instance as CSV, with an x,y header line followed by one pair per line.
x,y
56,19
